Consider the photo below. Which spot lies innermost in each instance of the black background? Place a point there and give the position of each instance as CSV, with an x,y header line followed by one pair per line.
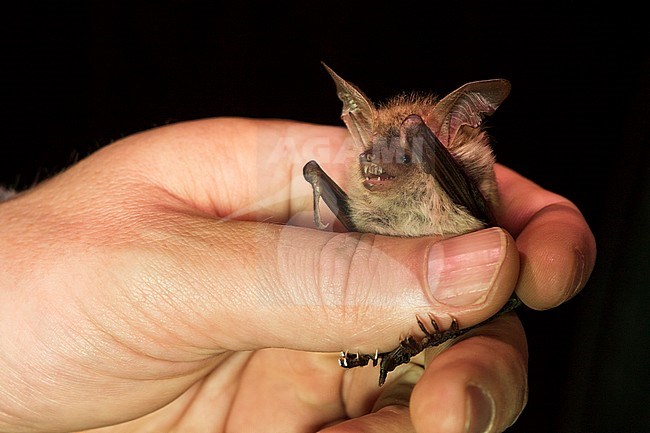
x,y
77,76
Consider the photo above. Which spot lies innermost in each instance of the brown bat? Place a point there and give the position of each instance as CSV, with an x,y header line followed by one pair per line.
x,y
425,167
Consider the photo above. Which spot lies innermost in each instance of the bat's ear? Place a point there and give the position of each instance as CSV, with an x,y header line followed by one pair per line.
x,y
358,112
467,105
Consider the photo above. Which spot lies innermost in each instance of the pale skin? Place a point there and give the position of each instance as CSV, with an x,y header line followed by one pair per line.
x,y
173,281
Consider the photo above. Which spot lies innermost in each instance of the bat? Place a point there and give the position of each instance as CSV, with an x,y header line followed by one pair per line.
x,y
425,167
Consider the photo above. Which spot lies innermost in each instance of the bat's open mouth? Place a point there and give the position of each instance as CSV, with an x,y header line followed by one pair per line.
x,y
374,176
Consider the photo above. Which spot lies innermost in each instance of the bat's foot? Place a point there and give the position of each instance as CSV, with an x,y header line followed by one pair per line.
x,y
410,347
438,337
349,360
407,349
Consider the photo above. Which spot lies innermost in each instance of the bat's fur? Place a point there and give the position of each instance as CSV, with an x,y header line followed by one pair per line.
x,y
412,205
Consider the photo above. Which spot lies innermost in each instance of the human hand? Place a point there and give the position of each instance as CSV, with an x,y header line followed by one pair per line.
x,y
174,277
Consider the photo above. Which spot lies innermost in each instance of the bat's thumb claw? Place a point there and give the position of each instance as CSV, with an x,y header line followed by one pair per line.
x,y
321,226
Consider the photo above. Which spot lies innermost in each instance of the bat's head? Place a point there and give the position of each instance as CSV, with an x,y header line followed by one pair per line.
x,y
386,161
413,136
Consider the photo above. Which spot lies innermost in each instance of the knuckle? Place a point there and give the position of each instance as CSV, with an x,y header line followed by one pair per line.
x,y
344,273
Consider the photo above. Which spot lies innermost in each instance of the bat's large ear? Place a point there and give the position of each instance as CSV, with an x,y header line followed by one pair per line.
x,y
358,112
467,105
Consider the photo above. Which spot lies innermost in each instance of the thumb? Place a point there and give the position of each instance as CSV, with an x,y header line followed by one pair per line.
x,y
284,286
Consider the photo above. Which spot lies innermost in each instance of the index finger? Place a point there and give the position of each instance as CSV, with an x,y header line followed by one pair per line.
x,y
557,249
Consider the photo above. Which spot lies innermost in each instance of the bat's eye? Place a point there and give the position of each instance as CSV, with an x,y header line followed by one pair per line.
x,y
406,159
366,157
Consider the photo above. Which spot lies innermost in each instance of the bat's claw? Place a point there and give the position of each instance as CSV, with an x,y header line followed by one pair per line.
x,y
408,348
334,197
348,360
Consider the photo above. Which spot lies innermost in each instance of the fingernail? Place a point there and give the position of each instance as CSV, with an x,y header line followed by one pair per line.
x,y
462,269
480,410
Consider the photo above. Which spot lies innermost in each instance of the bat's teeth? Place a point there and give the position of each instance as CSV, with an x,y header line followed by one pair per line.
x,y
372,170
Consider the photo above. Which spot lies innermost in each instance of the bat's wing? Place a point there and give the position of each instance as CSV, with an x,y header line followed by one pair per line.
x,y
439,163
332,194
